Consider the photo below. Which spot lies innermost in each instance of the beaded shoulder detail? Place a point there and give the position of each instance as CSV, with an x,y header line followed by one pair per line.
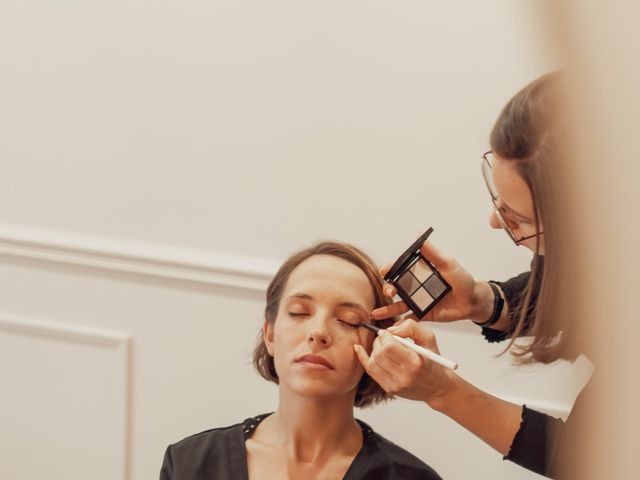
x,y
251,423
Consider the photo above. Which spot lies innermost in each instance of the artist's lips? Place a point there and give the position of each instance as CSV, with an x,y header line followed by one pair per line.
x,y
315,360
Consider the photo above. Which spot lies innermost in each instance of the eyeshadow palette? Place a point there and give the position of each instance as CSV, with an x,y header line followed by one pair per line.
x,y
417,281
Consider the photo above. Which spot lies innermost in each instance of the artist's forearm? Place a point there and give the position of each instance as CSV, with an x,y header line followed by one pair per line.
x,y
491,419
484,307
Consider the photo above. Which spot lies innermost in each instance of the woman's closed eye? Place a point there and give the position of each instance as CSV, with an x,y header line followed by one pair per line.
x,y
343,321
353,319
347,323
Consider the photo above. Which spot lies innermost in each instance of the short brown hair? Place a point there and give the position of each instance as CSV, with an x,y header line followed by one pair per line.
x,y
368,391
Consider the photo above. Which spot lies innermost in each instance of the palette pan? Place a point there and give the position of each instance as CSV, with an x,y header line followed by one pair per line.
x,y
417,281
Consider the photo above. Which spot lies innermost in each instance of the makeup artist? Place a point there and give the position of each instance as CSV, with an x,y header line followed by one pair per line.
x,y
516,171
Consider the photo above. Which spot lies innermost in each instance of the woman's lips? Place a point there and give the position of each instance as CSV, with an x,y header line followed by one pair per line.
x,y
321,362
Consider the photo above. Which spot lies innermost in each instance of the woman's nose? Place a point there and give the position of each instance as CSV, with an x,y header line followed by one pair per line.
x,y
493,220
319,331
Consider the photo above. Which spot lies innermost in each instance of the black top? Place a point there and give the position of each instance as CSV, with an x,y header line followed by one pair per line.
x,y
514,290
543,443
221,453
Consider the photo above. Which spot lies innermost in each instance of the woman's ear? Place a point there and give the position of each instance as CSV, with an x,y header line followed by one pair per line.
x,y
267,336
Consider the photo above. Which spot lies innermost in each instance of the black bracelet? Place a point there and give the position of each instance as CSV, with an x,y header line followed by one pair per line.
x,y
498,305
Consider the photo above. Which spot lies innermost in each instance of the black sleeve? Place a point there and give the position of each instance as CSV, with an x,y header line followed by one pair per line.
x,y
529,446
544,444
513,290
166,472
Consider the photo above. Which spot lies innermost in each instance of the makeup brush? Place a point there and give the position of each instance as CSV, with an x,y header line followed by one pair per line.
x,y
434,357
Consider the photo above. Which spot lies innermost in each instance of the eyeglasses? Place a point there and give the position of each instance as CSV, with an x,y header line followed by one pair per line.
x,y
507,222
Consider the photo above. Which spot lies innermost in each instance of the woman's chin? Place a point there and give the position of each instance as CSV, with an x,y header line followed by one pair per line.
x,y
318,389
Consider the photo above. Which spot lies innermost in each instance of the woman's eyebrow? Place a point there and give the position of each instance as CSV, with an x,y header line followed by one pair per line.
x,y
303,296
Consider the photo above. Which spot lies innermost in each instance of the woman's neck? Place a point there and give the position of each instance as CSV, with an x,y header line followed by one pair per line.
x,y
313,429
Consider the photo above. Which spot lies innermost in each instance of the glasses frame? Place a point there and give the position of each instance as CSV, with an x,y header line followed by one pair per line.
x,y
494,199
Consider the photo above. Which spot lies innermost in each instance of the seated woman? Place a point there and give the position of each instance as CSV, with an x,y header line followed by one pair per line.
x,y
309,354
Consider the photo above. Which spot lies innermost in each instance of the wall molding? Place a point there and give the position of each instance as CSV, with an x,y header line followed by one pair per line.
x,y
151,259
119,342
64,331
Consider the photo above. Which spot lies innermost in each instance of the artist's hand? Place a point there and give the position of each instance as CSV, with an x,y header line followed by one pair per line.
x,y
464,301
401,371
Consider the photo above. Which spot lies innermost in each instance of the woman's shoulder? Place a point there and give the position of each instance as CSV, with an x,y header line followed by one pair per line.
x,y
213,453
206,437
218,435
389,460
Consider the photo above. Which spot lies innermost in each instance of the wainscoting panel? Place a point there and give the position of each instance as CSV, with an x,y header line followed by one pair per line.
x,y
65,401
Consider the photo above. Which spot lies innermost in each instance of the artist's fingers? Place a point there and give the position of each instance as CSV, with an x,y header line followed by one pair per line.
x,y
439,260
389,350
361,354
383,377
406,318
385,268
404,366
389,311
379,352
423,336
414,317
389,290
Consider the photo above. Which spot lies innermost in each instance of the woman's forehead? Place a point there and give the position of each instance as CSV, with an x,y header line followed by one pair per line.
x,y
330,276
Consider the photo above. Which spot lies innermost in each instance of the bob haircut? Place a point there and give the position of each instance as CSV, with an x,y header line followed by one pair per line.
x,y
368,392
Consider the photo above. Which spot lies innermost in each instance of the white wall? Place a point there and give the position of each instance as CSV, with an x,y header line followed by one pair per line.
x,y
160,160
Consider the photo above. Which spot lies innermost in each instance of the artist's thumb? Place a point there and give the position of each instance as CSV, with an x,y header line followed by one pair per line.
x,y
431,253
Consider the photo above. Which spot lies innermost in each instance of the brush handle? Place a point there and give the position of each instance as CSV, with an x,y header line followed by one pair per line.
x,y
434,357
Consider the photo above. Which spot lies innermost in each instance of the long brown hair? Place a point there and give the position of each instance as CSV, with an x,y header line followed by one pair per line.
x,y
527,133
368,392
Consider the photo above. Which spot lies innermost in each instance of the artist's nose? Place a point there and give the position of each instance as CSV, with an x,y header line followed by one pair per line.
x,y
493,220
318,332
